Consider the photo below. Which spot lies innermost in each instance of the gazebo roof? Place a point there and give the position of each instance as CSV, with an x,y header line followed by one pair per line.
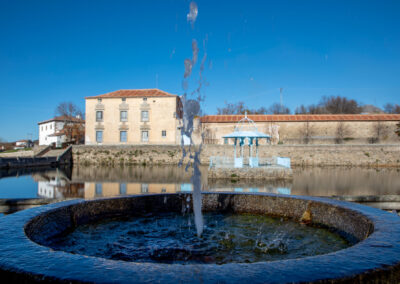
x,y
241,132
248,134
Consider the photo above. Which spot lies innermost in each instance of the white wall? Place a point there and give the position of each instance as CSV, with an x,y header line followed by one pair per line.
x,y
49,189
47,129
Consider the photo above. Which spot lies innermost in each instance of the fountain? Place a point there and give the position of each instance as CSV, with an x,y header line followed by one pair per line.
x,y
368,250
258,237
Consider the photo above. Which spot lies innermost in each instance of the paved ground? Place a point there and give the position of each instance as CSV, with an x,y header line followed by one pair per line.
x,y
17,154
53,153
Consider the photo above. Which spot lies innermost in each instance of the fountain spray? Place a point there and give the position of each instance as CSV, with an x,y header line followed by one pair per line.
x,y
191,109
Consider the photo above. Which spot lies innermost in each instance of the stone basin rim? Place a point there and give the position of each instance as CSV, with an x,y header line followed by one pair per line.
x,y
378,255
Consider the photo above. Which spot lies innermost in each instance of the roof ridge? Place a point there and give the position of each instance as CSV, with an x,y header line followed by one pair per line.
x,y
233,118
154,92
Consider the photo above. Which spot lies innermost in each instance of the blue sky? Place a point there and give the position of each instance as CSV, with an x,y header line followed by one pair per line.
x,y
55,51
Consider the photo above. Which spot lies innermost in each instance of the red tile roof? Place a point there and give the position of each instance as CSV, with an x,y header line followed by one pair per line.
x,y
300,117
63,118
139,93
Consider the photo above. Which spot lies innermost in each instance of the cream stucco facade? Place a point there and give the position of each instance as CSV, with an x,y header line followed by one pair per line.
x,y
133,117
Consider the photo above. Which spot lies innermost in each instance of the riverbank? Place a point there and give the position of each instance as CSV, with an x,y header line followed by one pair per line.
x,y
364,155
45,158
20,154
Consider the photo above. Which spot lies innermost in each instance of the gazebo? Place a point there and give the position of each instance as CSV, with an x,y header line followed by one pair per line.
x,y
246,133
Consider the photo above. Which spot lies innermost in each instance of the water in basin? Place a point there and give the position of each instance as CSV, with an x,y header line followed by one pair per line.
x,y
172,238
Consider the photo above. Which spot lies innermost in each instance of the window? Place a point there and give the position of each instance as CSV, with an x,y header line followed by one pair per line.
x,y
124,99
122,188
144,188
42,127
51,126
123,115
99,115
163,190
164,133
99,189
225,140
99,136
99,100
145,99
145,136
145,115
46,127
122,136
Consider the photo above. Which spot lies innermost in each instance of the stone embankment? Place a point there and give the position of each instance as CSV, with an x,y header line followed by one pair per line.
x,y
249,174
41,159
301,155
127,155
19,154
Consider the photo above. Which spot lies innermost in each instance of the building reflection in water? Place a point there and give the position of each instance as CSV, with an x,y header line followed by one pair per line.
x,y
56,183
92,182
107,182
108,189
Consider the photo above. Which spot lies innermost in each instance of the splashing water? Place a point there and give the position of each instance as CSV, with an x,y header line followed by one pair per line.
x,y
193,11
169,238
191,109
188,68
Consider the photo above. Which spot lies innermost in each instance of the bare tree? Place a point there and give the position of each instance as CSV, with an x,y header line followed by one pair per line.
x,y
277,108
74,125
261,110
240,108
388,108
306,132
301,110
379,131
232,108
208,135
331,105
342,131
337,105
391,108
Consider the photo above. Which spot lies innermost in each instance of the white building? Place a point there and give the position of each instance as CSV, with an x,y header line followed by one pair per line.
x,y
50,131
21,144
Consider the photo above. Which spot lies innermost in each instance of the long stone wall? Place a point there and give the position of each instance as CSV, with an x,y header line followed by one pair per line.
x,y
300,155
126,154
322,155
320,132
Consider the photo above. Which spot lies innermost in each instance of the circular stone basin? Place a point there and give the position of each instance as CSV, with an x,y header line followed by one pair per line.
x,y
26,239
172,238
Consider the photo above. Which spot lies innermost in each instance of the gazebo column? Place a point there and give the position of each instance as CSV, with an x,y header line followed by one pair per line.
x,y
251,162
235,147
241,147
257,148
250,147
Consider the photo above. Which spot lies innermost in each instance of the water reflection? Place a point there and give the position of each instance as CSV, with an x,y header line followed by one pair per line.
x,y
57,183
93,182
346,181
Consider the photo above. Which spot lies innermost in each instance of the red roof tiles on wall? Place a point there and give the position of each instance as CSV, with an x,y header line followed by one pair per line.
x,y
301,117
